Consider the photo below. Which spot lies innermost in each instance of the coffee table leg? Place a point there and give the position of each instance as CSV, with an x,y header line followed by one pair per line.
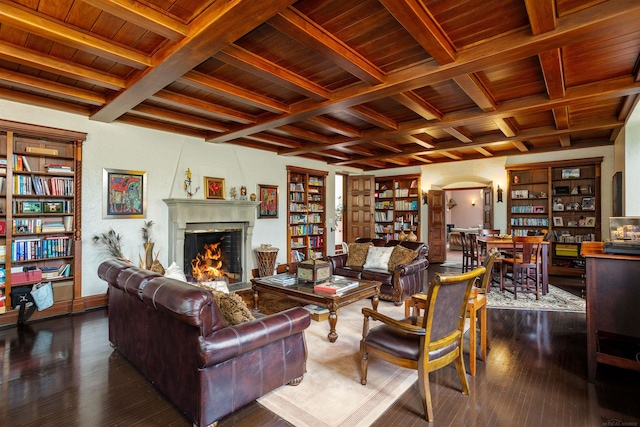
x,y
333,320
256,297
374,302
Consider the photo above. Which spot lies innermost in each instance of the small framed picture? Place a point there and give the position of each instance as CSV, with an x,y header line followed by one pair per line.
x,y
570,173
30,207
572,224
538,209
124,193
53,207
590,221
214,188
588,204
558,221
268,196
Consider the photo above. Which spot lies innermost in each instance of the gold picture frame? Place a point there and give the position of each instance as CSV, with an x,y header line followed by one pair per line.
x,y
214,188
125,193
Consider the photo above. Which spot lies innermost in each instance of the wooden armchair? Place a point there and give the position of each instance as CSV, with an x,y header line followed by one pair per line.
x,y
433,344
524,269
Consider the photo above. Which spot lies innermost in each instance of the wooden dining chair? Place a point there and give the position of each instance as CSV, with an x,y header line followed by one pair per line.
x,y
522,272
482,254
469,251
430,345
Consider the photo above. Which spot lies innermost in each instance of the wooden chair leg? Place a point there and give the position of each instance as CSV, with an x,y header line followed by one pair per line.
x,y
363,366
462,375
425,392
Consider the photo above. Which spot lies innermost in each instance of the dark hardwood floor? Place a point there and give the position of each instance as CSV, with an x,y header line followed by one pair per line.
x,y
63,372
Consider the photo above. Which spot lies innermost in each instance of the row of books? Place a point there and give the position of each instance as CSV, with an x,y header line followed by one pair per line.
x,y
42,186
306,230
21,164
33,249
54,272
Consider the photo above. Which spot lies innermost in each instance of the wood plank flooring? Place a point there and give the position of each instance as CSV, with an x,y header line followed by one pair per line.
x,y
63,372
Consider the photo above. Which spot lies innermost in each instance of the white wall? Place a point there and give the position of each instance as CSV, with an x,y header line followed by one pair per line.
x,y
631,173
165,157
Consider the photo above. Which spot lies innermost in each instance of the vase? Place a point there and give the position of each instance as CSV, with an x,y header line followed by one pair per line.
x,y
412,237
401,236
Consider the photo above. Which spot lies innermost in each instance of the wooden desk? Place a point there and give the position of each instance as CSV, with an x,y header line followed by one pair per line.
x,y
494,242
475,305
613,318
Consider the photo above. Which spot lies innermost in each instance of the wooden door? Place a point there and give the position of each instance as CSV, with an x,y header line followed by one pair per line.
x,y
487,208
359,208
436,227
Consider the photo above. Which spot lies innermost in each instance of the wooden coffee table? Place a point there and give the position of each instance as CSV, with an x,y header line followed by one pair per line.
x,y
304,293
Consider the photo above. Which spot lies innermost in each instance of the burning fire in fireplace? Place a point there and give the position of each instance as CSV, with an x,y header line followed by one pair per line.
x,y
207,266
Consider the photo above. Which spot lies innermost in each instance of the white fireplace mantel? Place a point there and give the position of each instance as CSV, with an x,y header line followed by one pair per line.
x,y
184,213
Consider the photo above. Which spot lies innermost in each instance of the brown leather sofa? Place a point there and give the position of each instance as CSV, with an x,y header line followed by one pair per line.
x,y
397,286
176,335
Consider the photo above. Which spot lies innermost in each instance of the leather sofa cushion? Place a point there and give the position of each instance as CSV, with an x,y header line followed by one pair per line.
x,y
378,258
382,276
233,308
357,254
401,255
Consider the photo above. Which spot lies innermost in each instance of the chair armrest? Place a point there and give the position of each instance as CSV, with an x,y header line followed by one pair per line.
x,y
232,341
397,324
337,261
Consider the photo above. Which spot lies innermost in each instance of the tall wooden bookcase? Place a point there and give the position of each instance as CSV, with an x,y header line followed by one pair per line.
x,y
306,215
397,206
40,217
561,198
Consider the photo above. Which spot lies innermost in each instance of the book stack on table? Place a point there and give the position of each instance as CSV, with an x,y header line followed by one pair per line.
x,y
336,285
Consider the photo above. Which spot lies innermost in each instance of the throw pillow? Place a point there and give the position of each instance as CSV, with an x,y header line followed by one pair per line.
x,y
357,254
378,258
233,308
175,272
401,255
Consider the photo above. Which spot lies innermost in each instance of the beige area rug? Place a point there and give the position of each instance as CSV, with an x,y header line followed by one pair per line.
x,y
331,394
555,300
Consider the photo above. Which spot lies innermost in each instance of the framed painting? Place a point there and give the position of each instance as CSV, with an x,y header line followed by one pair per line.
x,y
268,196
214,188
125,193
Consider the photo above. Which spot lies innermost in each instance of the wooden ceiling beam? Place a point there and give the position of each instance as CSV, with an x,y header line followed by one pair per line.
x,y
163,126
43,62
507,126
176,117
228,90
51,87
520,146
302,133
35,23
214,29
373,117
420,159
400,161
565,141
551,63
420,142
483,151
542,15
387,145
459,133
54,104
561,117
572,28
335,126
416,18
451,155
312,35
143,16
473,87
356,149
418,105
270,71
626,106
274,140
183,101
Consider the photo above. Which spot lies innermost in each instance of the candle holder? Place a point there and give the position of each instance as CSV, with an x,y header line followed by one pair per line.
x,y
187,184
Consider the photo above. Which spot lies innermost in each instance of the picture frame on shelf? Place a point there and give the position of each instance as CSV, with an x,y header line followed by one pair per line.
x,y
558,205
31,207
214,188
53,207
539,209
588,204
124,193
558,221
571,173
590,221
573,206
572,224
268,197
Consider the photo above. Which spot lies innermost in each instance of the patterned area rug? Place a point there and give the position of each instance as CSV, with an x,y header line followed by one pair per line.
x,y
330,394
555,300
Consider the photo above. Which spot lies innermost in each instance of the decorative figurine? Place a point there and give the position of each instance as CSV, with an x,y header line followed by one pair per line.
x,y
187,184
233,193
253,197
516,179
243,193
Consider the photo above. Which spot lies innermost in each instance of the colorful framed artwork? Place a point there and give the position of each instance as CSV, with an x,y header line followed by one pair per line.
x,y
268,196
125,193
214,188
570,173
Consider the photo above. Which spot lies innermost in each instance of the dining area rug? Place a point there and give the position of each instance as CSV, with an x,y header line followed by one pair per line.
x,y
555,300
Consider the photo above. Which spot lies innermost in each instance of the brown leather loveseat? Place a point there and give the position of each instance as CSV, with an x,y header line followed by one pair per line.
x,y
176,335
397,285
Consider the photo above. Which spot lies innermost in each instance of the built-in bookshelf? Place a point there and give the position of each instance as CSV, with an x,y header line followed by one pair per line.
x,y
306,234
560,200
39,213
397,207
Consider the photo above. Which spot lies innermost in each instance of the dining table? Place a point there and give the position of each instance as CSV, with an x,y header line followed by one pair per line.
x,y
506,242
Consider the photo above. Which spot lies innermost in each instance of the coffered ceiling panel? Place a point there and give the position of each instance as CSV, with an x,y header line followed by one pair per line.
x,y
372,84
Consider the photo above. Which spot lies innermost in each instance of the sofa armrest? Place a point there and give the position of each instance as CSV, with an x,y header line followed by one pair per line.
x,y
337,261
227,343
411,268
